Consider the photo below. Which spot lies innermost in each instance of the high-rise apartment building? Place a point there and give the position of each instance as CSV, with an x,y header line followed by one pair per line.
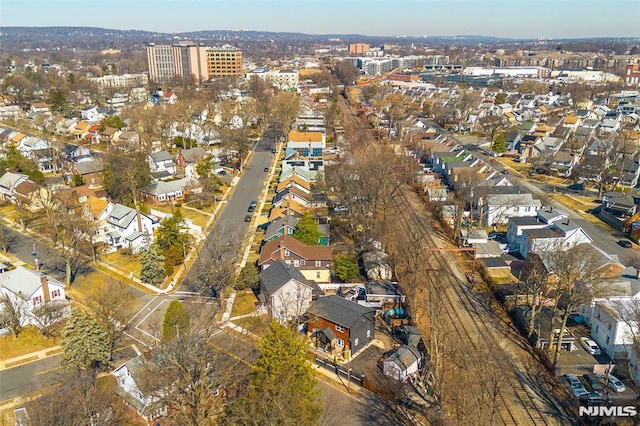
x,y
188,59
358,48
224,62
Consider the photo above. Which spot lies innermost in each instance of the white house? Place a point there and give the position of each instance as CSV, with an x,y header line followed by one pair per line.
x,y
28,289
131,388
90,113
500,207
560,235
517,225
8,184
162,165
128,227
402,363
285,291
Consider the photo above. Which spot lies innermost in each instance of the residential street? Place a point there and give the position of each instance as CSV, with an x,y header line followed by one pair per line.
x,y
230,225
29,377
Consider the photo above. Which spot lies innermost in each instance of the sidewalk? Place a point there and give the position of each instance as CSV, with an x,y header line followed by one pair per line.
x,y
33,356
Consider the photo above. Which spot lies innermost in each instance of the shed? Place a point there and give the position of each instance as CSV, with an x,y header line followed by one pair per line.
x,y
402,363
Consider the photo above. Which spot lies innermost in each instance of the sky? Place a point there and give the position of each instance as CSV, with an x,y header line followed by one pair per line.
x,y
506,18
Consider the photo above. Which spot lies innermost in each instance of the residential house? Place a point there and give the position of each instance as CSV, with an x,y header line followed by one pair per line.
x,y
305,144
108,135
8,184
162,165
499,207
560,235
39,107
619,210
128,139
293,194
135,390
80,129
76,153
517,225
609,125
337,324
377,266
296,181
129,228
402,363
187,159
285,291
290,208
90,113
29,290
313,261
277,228
169,192
92,172
563,162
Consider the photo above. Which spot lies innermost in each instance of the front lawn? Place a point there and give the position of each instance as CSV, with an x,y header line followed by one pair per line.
x,y
29,340
196,217
245,303
125,263
257,325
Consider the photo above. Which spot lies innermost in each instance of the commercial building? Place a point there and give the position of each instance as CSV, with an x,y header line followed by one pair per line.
x,y
192,60
358,48
124,80
632,75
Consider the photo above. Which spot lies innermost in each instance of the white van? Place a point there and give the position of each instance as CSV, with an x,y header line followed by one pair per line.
x,y
590,346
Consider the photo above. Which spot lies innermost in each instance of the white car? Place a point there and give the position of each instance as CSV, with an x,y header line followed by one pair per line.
x,y
613,383
590,346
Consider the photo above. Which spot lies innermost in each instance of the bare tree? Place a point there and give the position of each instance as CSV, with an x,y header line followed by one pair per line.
x,y
215,267
12,313
7,239
535,279
47,316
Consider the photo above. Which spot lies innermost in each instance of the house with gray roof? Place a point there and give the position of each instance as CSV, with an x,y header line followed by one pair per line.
x,y
168,192
402,363
162,165
498,208
277,228
126,227
8,184
30,290
560,235
339,326
285,292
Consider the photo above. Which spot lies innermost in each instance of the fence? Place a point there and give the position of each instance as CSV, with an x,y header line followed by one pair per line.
x,y
353,377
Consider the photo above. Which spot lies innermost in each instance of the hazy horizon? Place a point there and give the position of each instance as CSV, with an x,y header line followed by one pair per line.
x,y
518,19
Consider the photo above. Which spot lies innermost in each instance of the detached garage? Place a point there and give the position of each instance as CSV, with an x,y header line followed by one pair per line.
x,y
402,363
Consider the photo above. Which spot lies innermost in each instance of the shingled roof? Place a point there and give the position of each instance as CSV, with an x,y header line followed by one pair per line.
x,y
278,274
338,310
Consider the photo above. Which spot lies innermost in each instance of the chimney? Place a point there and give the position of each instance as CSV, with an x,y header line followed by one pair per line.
x,y
44,281
568,221
281,248
146,355
139,219
550,209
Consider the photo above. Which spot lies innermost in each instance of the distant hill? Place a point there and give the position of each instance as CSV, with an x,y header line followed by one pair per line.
x,y
101,38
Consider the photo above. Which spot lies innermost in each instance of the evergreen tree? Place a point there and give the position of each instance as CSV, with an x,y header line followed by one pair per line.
x,y
58,101
282,388
176,321
152,270
248,277
85,343
346,268
111,121
500,144
168,233
307,230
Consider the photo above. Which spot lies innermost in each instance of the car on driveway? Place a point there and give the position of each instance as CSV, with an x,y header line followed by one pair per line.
x,y
576,386
590,346
593,382
247,218
613,383
625,243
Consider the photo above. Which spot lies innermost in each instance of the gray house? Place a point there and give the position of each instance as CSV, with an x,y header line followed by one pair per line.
x,y
338,325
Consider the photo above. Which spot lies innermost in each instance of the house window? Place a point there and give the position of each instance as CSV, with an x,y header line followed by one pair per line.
x,y
607,340
596,329
368,334
37,300
317,275
296,263
286,252
339,342
55,293
303,262
339,328
527,209
355,343
318,263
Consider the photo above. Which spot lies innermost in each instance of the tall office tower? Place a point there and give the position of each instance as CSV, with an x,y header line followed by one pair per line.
x,y
224,62
162,64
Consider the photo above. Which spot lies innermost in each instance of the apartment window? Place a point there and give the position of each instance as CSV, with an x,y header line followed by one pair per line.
x,y
318,263
339,328
340,342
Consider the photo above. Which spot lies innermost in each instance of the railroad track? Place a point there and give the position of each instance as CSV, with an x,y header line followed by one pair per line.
x,y
475,324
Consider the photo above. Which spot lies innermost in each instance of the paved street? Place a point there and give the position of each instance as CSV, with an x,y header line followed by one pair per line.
x,y
230,225
347,410
29,377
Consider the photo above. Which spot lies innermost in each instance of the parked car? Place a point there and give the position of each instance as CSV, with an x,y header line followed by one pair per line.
x,y
593,382
252,206
590,346
576,386
592,398
505,172
613,383
273,151
577,186
266,169
247,218
625,243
